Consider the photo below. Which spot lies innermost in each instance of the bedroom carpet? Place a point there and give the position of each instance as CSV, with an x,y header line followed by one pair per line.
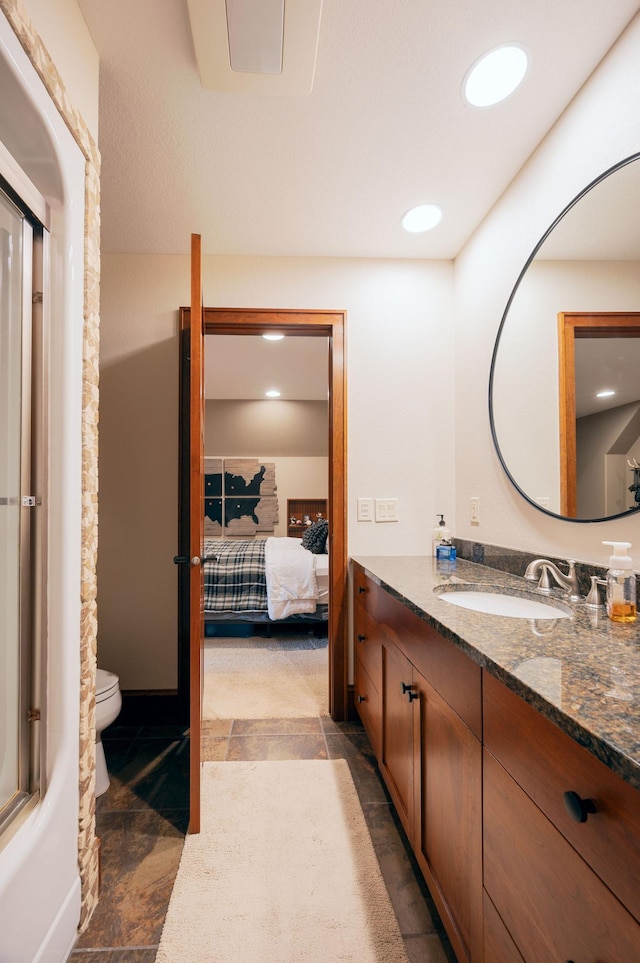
x,y
258,678
283,870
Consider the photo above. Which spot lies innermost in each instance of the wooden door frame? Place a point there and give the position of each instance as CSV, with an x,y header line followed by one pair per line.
x,y
332,325
572,325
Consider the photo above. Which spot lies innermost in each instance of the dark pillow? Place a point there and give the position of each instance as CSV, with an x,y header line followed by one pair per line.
x,y
315,537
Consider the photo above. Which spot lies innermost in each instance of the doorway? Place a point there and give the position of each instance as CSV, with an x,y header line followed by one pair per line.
x,y
597,350
331,326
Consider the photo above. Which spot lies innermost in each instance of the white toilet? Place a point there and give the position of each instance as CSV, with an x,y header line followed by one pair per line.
x,y
108,705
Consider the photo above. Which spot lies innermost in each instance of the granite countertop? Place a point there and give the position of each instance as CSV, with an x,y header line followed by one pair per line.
x,y
581,672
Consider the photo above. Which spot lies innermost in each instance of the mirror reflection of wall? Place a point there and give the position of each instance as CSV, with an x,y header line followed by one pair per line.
x,y
588,263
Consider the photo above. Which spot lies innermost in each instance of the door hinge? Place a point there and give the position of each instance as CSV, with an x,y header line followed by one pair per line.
x,y
33,715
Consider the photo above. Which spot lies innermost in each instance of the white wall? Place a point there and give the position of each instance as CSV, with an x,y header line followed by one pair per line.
x,y
242,428
599,128
64,33
400,420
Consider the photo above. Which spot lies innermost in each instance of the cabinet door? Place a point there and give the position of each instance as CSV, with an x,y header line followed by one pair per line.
x,y
396,761
498,945
448,763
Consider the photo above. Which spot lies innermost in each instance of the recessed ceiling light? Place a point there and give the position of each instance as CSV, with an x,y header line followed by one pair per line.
x,y
273,337
605,394
422,218
495,75
273,393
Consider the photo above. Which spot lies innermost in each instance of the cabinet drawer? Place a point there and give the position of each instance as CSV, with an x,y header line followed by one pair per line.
x,y
452,673
369,705
366,591
553,905
367,643
546,763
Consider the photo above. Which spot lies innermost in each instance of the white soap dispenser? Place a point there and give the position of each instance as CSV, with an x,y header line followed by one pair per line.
x,y
621,584
440,534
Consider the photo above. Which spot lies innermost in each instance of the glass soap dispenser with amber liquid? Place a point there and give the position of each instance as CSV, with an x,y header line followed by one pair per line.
x,y
621,584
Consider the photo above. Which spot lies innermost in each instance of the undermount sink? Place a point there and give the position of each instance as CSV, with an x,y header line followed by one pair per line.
x,y
491,601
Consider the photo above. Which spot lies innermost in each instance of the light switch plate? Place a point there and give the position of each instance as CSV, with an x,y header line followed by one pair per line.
x,y
364,509
386,509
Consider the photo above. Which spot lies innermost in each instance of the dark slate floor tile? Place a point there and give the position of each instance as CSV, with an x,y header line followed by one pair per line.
x,y
141,821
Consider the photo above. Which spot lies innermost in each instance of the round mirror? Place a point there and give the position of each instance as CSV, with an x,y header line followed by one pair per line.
x,y
564,387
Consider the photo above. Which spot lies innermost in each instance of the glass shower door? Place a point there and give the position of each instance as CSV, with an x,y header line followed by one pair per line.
x,y
14,529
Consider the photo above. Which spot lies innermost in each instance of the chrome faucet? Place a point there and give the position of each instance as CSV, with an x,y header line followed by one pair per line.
x,y
540,570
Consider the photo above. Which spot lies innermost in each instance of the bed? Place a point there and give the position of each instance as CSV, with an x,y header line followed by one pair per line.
x,y
264,580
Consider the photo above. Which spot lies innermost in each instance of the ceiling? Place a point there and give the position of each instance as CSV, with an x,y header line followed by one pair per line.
x,y
329,173
243,367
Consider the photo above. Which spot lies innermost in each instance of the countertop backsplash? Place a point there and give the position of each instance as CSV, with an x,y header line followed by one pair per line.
x,y
514,562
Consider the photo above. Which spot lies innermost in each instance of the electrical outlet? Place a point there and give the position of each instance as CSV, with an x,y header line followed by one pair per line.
x,y
474,515
364,509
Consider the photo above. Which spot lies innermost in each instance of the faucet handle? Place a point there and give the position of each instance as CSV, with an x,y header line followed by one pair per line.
x,y
572,575
593,598
544,584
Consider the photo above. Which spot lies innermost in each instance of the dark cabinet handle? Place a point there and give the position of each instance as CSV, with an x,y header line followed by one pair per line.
x,y
577,807
362,698
361,589
408,689
362,638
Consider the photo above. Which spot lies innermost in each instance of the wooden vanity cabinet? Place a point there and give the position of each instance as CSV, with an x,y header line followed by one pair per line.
x,y
429,751
478,778
367,659
563,889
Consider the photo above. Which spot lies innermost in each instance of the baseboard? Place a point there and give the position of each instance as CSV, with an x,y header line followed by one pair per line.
x,y
152,707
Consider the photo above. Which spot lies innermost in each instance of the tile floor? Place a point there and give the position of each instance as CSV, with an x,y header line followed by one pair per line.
x,y
142,818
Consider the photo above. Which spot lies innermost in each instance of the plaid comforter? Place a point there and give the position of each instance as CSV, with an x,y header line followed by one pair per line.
x,y
234,575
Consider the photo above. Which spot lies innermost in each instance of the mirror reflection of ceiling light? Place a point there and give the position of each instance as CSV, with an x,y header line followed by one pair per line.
x,y
605,394
424,217
273,393
495,75
273,337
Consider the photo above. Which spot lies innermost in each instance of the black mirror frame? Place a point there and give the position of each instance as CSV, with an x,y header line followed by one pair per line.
x,y
563,213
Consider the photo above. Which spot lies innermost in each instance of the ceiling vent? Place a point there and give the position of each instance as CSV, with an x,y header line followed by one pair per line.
x,y
256,46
